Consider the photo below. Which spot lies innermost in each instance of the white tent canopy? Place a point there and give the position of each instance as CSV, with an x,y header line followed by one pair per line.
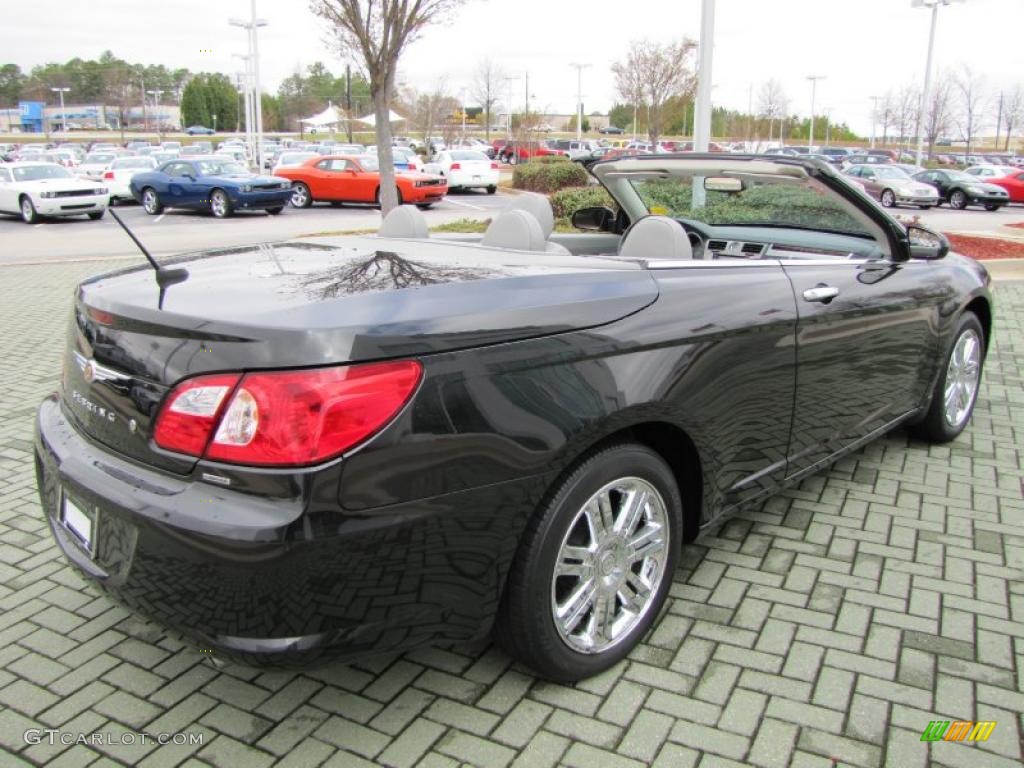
x,y
371,119
330,116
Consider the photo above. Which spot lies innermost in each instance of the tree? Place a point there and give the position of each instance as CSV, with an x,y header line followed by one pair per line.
x,y
655,73
938,110
772,102
11,83
486,84
1013,112
194,108
971,90
905,106
428,110
373,34
620,115
885,114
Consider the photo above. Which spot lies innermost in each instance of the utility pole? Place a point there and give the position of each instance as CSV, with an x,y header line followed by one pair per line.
x,y
249,122
814,87
348,100
926,91
999,119
702,114
142,93
508,117
874,116
526,107
579,99
156,94
251,28
63,114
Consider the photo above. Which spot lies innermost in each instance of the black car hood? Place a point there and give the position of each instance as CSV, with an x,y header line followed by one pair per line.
x,y
351,299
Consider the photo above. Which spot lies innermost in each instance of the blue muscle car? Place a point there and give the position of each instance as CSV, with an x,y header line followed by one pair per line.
x,y
218,184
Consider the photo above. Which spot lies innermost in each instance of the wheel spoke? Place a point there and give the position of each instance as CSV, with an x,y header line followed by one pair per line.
x,y
575,608
647,542
634,593
604,616
632,508
575,561
604,504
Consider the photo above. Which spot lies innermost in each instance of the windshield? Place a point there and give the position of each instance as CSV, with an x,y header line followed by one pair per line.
x,y
221,168
758,204
369,163
295,158
99,158
36,172
469,155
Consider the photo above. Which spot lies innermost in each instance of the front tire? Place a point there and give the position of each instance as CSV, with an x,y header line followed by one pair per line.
x,y
97,215
28,211
275,210
888,198
956,390
220,205
958,200
992,206
594,565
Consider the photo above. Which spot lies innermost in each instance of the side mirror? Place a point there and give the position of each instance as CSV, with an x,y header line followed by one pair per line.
x,y
925,243
594,219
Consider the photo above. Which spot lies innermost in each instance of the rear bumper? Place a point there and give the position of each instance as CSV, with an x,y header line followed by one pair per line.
x,y
285,582
487,178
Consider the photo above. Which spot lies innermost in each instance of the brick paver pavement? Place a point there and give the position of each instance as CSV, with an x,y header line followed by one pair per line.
x,y
827,627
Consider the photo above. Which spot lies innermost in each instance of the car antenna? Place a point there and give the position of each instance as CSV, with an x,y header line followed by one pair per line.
x,y
164,276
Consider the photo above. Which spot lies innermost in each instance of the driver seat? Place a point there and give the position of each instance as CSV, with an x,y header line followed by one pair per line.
x,y
656,237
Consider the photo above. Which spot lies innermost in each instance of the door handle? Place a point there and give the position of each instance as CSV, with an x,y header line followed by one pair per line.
x,y
822,293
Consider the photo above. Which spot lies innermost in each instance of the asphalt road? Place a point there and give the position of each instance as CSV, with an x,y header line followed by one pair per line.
x,y
178,231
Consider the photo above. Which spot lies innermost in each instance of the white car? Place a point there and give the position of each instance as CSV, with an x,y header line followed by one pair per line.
x,y
33,190
120,173
289,159
991,171
465,168
94,164
235,153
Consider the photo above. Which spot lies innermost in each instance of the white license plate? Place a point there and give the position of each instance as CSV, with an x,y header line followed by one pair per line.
x,y
77,521
476,178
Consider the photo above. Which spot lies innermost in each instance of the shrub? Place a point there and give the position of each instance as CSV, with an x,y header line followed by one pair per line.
x,y
551,159
548,177
566,202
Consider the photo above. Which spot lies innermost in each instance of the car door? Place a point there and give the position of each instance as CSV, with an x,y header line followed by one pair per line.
x,y
180,185
8,195
364,182
870,181
865,345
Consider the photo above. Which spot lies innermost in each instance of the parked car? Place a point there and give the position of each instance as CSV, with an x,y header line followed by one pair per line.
x,y
836,155
336,447
36,190
513,152
611,130
289,159
405,141
199,130
356,179
121,171
961,189
892,186
218,185
465,169
1013,185
94,164
989,172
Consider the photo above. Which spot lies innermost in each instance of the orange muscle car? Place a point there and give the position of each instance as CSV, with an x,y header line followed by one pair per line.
x,y
356,179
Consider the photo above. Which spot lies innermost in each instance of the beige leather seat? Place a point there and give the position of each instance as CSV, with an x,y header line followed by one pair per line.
x,y
656,237
540,207
517,230
404,221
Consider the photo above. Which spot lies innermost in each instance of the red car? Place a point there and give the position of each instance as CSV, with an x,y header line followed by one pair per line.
x,y
1013,184
355,179
513,152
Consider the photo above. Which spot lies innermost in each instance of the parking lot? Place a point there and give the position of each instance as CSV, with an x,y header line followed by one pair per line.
x,y
827,627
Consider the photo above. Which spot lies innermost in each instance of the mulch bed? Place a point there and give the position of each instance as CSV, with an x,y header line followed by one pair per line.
x,y
1018,225
982,248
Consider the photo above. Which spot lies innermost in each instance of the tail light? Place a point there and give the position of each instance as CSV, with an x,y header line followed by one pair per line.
x,y
284,418
494,167
456,167
108,175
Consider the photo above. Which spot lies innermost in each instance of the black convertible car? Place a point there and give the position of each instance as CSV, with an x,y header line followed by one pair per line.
x,y
323,448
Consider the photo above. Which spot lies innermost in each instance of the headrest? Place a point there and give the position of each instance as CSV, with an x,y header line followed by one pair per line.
x,y
517,230
404,221
656,237
538,205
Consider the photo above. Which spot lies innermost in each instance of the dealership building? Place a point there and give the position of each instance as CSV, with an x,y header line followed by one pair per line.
x,y
37,117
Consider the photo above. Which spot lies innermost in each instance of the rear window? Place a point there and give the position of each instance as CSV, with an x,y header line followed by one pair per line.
x,y
469,155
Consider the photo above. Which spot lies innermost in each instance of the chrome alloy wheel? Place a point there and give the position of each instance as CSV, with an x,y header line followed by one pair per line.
x,y
962,378
149,201
219,204
610,565
300,196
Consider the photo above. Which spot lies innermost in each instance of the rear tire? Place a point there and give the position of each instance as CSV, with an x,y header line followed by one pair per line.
x,y
424,206
956,389
491,189
888,198
151,202
992,206
586,555
301,196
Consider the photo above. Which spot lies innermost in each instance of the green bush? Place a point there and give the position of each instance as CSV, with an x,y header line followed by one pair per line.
x,y
548,177
566,202
551,159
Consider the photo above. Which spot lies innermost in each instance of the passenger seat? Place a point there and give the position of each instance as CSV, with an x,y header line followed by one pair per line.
x,y
656,237
404,221
517,230
540,207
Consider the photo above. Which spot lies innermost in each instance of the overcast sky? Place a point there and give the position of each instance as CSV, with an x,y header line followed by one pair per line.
x,y
862,48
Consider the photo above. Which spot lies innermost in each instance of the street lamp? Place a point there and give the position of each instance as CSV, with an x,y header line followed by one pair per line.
x,y
508,117
579,99
814,87
934,5
246,86
214,116
63,116
254,52
156,94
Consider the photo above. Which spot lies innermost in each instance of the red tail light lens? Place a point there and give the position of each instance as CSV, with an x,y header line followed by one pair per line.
x,y
456,167
494,167
108,175
191,413
290,418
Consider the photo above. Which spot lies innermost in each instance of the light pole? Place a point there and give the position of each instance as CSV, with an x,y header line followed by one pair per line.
x,y
814,87
63,116
874,117
702,107
828,124
925,92
579,99
508,117
251,26
156,94
246,85
214,116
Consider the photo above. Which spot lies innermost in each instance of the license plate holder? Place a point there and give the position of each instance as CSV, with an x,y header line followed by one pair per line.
x,y
80,523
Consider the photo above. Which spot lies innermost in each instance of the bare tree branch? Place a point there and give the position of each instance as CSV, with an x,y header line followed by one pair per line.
x,y
652,73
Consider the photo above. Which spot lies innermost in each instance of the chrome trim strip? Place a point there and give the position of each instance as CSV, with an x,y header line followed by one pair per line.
x,y
99,372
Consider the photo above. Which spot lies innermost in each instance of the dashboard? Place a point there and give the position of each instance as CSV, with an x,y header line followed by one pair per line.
x,y
760,242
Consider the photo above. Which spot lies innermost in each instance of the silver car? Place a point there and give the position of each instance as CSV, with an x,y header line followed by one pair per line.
x,y
891,186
